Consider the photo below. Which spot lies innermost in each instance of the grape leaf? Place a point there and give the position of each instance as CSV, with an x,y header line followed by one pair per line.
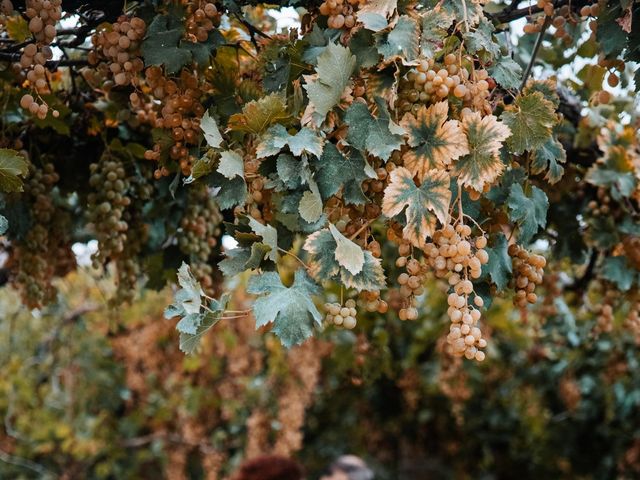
x,y
193,326
291,171
618,271
160,46
210,129
481,39
231,165
530,213
240,259
401,42
377,136
188,298
17,28
4,224
530,119
435,24
348,254
506,72
310,207
269,237
499,266
324,266
361,45
291,310
325,88
258,115
550,155
335,171
231,192
12,167
483,164
433,195
436,140
277,137
374,14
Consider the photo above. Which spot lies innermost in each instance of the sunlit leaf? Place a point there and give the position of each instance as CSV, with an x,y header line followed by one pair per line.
x,y
436,141
424,204
348,254
258,115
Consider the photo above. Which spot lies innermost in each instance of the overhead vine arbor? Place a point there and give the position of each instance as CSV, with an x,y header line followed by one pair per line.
x,y
375,147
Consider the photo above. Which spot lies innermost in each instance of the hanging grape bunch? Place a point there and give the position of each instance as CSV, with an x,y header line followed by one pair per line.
x,y
342,315
528,270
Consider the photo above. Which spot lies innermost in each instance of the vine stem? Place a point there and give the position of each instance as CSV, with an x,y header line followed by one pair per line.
x,y
534,52
286,252
359,231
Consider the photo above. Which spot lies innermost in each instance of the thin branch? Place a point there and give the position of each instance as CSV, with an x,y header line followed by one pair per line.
x,y
534,52
294,256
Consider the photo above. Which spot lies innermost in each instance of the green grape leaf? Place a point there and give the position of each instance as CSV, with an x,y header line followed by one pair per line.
x,y
12,167
203,166
618,271
348,254
291,171
231,165
160,46
17,28
310,207
326,86
377,136
436,140
193,326
269,237
232,192
435,24
469,12
401,42
529,212
335,170
483,165
211,131
622,184
291,310
361,45
432,196
277,137
549,157
188,298
499,266
481,39
240,259
375,13
258,115
530,119
506,72
323,264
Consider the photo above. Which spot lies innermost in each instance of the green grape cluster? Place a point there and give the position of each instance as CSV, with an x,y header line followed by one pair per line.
x,y
200,233
107,204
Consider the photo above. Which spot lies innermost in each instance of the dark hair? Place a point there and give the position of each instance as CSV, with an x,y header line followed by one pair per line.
x,y
270,467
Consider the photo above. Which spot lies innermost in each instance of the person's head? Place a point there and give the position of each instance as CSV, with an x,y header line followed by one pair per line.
x,y
349,467
270,467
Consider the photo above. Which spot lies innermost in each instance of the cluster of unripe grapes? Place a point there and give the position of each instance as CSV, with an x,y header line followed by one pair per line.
x,y
430,82
604,320
558,17
180,114
116,51
107,205
632,322
601,206
202,17
39,255
43,16
528,272
411,282
200,231
454,255
341,315
340,13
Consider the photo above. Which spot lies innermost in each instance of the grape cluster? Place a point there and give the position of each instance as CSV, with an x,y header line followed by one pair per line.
x,y
558,17
411,282
373,302
632,322
116,51
180,111
604,320
452,255
430,82
107,205
340,14
202,17
200,233
528,271
342,315
45,250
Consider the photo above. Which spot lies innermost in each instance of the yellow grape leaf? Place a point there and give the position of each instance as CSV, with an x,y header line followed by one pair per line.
x,y
424,204
18,28
435,141
483,164
258,115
